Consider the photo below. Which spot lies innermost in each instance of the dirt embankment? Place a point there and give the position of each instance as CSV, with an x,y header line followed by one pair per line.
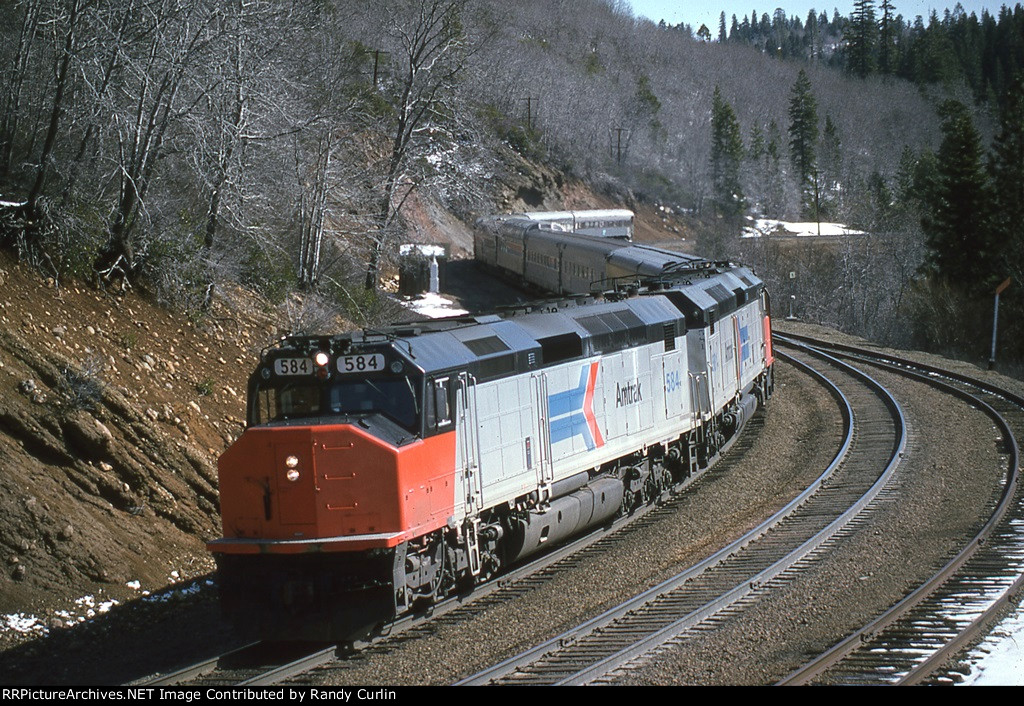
x,y
112,414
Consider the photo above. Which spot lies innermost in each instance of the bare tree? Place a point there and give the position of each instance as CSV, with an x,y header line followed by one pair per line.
x,y
171,37
313,207
98,64
14,82
429,41
72,19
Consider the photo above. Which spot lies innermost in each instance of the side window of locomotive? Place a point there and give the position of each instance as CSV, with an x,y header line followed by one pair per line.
x,y
263,407
439,413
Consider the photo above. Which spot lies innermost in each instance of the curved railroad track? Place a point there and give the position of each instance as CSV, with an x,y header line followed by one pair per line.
x,y
858,474
897,647
255,664
910,642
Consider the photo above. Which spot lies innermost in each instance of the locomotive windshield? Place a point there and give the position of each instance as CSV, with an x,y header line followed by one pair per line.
x,y
397,398
393,397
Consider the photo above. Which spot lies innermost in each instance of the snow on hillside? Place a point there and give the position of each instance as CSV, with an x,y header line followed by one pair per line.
x,y
767,226
433,306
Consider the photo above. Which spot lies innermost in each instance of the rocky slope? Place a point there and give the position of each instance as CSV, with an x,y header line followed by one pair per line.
x,y
112,414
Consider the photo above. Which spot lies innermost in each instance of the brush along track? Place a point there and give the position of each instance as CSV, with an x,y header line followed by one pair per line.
x,y
866,462
917,636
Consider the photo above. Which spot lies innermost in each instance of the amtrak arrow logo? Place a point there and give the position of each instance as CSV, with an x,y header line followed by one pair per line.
x,y
572,411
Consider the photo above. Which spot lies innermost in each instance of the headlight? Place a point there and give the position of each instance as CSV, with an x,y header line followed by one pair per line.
x,y
292,474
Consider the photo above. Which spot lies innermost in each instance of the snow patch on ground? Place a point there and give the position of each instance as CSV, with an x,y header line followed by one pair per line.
x,y
999,659
434,306
19,622
88,607
767,226
425,250
177,593
84,609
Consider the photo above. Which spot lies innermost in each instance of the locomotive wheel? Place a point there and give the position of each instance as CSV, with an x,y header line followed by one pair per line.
x,y
652,487
628,500
664,478
425,597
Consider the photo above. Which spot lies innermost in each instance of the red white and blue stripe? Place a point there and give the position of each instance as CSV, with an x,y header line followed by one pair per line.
x,y
572,411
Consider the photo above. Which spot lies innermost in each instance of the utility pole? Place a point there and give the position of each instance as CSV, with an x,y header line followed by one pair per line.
x,y
530,101
617,150
817,202
376,63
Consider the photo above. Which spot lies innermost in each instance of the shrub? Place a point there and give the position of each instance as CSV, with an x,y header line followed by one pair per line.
x,y
82,388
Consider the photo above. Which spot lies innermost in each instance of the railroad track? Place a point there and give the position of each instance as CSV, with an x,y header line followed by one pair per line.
x,y
858,474
913,640
256,664
261,663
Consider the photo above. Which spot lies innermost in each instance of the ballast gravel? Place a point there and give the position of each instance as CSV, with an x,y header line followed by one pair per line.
x,y
801,434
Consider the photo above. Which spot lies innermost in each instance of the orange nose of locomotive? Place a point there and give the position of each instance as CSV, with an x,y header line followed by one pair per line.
x,y
334,487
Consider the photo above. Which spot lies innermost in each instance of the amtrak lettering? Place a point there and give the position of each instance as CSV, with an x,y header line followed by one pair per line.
x,y
630,394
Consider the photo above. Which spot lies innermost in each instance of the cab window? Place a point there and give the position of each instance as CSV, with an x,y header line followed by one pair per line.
x,y
439,407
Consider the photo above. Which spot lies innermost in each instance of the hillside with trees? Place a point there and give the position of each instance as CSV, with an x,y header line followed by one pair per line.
x,y
948,46
182,181
178,145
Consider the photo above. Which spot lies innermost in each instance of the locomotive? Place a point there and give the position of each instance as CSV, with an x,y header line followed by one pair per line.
x,y
381,470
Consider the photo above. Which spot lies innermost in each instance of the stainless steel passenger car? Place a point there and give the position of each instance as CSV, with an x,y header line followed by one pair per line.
x,y
604,223
541,253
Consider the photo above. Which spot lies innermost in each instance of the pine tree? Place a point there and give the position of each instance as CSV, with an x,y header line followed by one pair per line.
x,y
861,36
831,166
1007,170
758,144
726,157
764,173
775,196
812,37
956,222
803,134
886,39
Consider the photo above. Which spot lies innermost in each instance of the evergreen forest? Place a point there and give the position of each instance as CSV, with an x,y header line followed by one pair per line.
x,y
180,145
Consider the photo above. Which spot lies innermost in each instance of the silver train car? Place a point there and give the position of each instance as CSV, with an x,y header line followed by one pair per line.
x,y
614,223
540,253
726,307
